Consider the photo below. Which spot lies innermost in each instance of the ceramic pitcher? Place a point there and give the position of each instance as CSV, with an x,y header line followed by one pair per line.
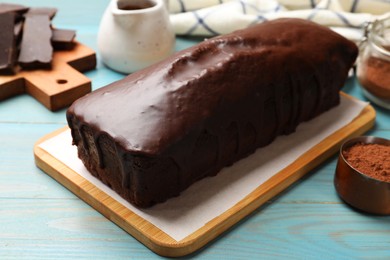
x,y
134,34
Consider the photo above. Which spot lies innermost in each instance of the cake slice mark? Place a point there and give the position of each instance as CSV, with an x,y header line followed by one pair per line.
x,y
205,153
288,99
123,166
230,150
278,88
99,151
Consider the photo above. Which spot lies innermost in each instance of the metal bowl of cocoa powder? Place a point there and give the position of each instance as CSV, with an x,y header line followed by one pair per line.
x,y
362,176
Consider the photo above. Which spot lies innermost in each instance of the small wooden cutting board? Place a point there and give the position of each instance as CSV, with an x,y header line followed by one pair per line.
x,y
56,88
160,242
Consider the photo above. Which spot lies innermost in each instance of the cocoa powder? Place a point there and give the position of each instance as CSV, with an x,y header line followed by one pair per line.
x,y
376,78
372,160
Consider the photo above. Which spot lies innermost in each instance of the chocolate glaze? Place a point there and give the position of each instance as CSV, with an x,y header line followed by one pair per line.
x,y
206,107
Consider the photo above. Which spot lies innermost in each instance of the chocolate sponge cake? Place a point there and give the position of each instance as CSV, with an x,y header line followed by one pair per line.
x,y
157,131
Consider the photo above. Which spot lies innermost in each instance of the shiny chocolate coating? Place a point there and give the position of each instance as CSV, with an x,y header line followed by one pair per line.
x,y
208,106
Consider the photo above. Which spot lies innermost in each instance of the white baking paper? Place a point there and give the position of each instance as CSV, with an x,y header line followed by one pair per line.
x,y
210,197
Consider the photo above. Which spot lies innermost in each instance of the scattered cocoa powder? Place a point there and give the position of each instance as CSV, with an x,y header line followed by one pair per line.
x,y
372,160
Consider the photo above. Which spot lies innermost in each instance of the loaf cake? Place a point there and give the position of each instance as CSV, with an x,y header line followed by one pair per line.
x,y
157,131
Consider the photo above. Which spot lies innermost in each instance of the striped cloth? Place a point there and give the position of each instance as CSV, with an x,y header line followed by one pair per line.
x,y
214,17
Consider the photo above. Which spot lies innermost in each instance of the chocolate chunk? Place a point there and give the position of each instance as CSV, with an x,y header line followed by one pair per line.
x,y
7,43
36,50
63,39
19,10
51,12
6,8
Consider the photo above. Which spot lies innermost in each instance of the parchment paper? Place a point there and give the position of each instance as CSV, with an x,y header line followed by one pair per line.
x,y
210,197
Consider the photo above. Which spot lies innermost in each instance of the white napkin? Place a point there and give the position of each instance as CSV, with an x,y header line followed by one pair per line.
x,y
203,201
214,17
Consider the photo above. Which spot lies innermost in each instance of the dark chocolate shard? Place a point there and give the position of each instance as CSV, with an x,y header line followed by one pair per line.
x,y
7,44
6,8
18,10
50,11
36,51
63,39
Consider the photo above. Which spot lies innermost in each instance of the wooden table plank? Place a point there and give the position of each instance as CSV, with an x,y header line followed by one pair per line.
x,y
67,228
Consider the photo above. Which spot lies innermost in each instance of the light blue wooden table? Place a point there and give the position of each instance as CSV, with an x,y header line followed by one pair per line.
x,y
40,219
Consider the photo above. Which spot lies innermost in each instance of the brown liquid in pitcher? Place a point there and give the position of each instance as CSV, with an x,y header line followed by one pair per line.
x,y
135,5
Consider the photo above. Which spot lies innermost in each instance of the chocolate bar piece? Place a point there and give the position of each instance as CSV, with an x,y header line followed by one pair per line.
x,y
50,11
36,50
6,8
7,44
18,10
63,39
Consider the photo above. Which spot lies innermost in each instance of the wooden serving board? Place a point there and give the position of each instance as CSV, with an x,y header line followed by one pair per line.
x,y
160,242
56,88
